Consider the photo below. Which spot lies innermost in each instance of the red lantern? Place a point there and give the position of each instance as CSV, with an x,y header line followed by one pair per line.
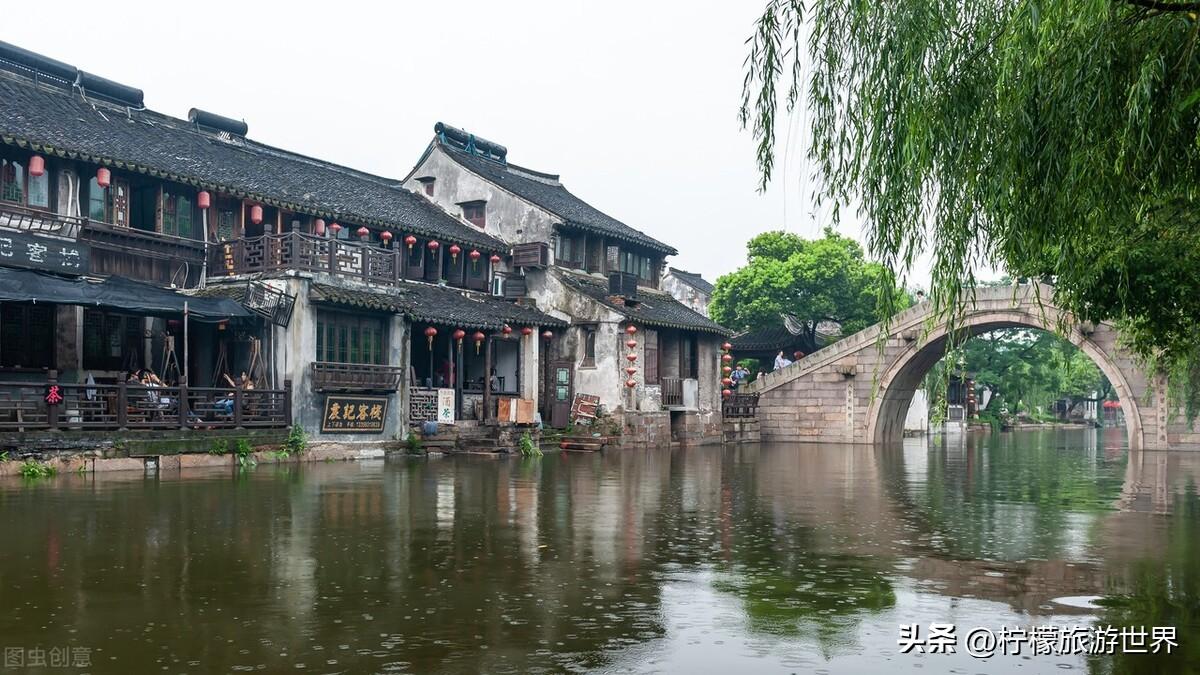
x,y
631,383
631,370
363,232
726,393
631,343
433,245
256,215
319,227
430,333
548,335
474,255
631,357
506,330
37,165
727,381
334,227
495,259
526,331
459,334
454,251
631,329
727,370
103,177
386,236
203,199
726,358
411,241
479,337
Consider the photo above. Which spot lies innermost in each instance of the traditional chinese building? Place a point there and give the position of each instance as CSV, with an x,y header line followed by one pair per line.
x,y
594,272
134,240
689,288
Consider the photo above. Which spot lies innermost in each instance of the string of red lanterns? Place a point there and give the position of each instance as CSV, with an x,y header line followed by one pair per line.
x,y
726,369
631,357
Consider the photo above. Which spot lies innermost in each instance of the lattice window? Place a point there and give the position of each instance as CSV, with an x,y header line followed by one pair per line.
x,y
422,405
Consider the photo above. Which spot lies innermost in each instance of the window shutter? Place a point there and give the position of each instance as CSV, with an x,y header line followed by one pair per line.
x,y
652,359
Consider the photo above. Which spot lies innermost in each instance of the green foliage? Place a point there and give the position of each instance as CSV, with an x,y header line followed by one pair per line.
x,y
244,453
31,469
1059,140
826,279
527,447
219,447
413,444
297,441
4,456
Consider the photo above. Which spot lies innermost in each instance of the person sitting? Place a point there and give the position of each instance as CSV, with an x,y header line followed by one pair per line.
x,y
781,361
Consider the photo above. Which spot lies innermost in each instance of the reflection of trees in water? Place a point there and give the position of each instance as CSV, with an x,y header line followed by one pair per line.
x,y
1162,589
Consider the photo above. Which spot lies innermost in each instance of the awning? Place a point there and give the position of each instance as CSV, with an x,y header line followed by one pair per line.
x,y
112,293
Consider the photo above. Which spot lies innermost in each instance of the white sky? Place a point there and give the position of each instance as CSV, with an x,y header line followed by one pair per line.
x,y
633,103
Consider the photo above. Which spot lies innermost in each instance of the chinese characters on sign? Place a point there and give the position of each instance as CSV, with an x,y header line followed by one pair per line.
x,y
54,657
983,643
53,395
20,249
354,414
445,406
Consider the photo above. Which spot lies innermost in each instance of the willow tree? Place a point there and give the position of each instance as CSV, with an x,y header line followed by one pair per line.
x,y
1057,139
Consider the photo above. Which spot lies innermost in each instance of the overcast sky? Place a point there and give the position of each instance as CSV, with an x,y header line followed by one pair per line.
x,y
634,104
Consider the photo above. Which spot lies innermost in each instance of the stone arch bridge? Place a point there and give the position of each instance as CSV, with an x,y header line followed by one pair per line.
x,y
852,392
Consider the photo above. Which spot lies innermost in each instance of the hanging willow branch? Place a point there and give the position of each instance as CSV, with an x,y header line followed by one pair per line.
x,y
1058,140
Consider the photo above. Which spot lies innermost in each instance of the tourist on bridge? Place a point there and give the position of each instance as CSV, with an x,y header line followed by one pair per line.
x,y
781,361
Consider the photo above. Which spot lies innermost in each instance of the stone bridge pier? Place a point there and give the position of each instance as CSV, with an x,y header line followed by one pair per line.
x,y
853,392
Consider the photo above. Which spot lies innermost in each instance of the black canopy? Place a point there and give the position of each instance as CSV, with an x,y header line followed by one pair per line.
x,y
113,293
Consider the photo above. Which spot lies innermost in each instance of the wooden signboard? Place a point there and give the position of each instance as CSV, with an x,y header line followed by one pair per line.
x,y
445,406
584,407
21,249
354,414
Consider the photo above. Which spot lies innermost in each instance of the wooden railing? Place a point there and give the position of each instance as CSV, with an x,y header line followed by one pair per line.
x,y
740,405
672,391
35,220
329,376
305,252
30,406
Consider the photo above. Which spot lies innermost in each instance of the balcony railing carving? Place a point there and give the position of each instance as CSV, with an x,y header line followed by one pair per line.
x,y
329,376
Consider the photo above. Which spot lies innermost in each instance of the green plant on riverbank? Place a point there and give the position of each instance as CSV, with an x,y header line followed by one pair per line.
x,y
528,447
412,444
219,447
243,451
297,441
4,456
31,469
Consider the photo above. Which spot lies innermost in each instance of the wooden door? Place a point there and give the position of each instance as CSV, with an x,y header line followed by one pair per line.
x,y
120,202
561,390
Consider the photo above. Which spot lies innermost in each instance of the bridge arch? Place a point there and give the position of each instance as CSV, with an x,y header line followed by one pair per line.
x,y
894,393
855,392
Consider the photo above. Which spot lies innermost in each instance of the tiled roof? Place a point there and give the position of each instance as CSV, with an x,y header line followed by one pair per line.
x,y
53,120
546,191
692,279
764,339
654,309
438,304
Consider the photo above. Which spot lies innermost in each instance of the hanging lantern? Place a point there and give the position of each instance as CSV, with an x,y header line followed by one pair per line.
x,y
256,215
430,333
631,343
726,393
474,256
726,358
433,245
728,382
526,331
203,199
386,236
507,330
495,259
411,241
319,227
334,227
631,370
726,346
548,335
37,165
103,177
459,334
454,251
631,383
479,337
363,232
727,370
631,357
631,329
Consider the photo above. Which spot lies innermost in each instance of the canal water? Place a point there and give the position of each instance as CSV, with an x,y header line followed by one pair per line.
x,y
772,559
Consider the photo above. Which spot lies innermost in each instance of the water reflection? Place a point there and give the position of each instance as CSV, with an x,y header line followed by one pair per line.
x,y
710,560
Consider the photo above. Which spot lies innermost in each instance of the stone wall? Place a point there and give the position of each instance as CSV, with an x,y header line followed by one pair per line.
x,y
741,430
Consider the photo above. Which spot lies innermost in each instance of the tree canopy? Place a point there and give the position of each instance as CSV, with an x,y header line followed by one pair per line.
x,y
826,279
1057,139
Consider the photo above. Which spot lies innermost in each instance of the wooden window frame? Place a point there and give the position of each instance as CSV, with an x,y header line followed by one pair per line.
x,y
344,337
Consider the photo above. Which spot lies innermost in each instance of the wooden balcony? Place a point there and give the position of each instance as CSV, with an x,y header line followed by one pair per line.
x,y
305,252
18,217
329,376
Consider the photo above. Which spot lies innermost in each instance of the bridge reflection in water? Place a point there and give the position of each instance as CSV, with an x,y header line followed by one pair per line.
x,y
750,559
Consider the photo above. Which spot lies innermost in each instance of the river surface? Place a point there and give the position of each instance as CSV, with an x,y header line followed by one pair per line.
x,y
771,559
